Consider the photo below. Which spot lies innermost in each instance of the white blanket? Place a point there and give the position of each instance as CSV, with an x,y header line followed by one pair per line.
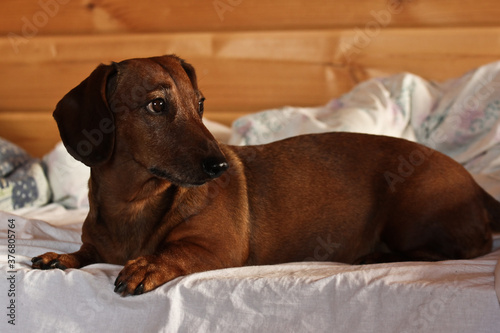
x,y
449,296
460,117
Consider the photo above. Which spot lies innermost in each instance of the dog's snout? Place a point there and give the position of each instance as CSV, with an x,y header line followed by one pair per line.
x,y
214,167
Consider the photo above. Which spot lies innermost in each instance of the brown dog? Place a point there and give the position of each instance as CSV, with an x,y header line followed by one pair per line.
x,y
167,200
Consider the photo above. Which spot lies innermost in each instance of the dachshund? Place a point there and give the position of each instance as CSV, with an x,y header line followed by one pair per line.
x,y
167,200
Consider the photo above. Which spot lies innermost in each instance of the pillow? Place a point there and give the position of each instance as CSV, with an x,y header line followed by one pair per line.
x,y
22,179
68,178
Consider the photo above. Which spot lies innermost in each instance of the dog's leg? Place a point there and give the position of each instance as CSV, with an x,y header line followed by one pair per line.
x,y
85,256
181,258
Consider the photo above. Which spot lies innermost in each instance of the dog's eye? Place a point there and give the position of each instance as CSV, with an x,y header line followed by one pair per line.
x,y
157,106
201,106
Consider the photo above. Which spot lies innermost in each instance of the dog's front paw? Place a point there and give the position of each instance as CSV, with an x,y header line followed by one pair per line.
x,y
51,260
141,275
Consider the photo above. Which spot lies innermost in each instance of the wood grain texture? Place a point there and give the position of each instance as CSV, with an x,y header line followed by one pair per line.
x,y
35,132
249,55
48,67
251,71
46,17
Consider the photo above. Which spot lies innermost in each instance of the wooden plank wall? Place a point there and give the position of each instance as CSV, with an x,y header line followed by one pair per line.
x,y
249,54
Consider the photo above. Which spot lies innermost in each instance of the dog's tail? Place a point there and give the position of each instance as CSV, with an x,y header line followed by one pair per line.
x,y
493,207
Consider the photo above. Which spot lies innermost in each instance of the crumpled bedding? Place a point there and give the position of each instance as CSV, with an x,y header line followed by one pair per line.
x,y
22,179
448,296
459,117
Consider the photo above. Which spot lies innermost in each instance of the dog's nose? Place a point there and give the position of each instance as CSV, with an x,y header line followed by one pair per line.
x,y
214,167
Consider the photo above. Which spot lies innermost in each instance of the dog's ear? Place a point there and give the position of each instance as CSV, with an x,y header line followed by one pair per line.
x,y
85,121
189,69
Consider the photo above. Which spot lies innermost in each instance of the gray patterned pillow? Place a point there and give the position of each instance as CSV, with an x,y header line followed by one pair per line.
x,y
22,179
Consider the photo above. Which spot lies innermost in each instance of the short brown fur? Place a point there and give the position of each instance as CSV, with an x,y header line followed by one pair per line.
x,y
166,199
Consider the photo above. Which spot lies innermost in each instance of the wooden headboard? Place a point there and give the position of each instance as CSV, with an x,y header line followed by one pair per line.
x,y
249,54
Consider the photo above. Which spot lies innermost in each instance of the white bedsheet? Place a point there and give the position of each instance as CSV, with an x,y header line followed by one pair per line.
x,y
449,296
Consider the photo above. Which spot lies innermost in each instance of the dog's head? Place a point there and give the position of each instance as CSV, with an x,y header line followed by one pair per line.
x,y
146,110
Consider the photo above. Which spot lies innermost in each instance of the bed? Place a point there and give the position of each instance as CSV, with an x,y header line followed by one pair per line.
x,y
450,296
422,70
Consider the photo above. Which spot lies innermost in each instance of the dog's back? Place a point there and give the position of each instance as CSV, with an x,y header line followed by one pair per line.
x,y
341,196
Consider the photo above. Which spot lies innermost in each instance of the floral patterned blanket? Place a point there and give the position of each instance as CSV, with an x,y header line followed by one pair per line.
x,y
459,117
22,179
